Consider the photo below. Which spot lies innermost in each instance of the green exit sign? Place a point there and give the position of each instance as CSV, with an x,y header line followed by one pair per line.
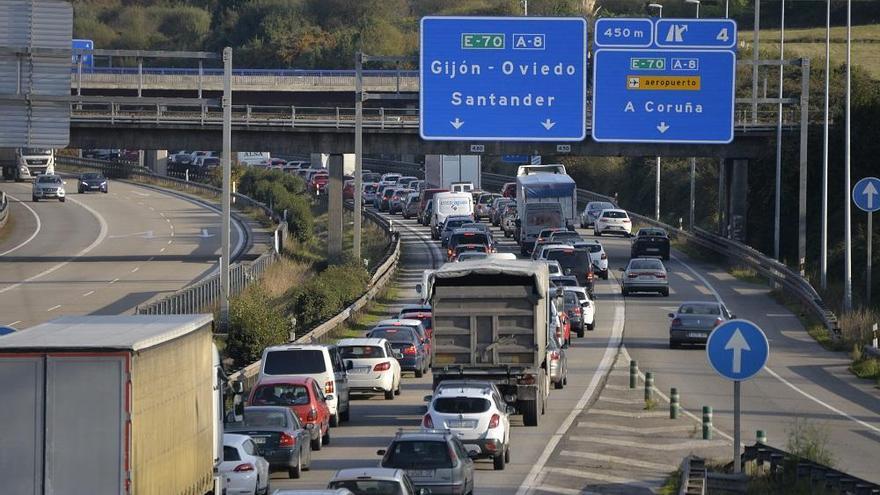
x,y
647,63
482,41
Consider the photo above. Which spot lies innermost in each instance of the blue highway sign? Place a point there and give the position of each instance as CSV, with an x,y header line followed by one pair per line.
x,y
866,194
503,78
6,330
622,31
665,95
515,158
737,349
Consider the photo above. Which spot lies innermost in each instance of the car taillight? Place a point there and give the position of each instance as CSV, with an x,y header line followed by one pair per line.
x,y
718,321
626,220
676,322
527,379
604,256
590,276
241,468
632,275
382,366
410,351
576,310
427,422
554,356
449,253
328,387
660,275
312,415
286,440
495,421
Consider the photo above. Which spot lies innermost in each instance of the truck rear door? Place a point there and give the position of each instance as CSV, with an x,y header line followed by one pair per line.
x,y
21,457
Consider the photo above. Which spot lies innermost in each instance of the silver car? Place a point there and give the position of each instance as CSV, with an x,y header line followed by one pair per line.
x,y
48,187
433,459
591,212
645,275
557,363
374,480
694,321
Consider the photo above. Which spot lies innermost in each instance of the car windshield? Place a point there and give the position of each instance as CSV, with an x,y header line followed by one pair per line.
x,y
581,296
454,224
281,394
564,281
35,151
645,265
396,334
294,362
256,418
600,206
614,214
418,454
361,351
654,232
92,176
699,309
461,405
48,179
368,487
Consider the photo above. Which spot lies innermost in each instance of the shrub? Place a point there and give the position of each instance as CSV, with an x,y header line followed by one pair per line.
x,y
809,441
326,294
254,324
300,221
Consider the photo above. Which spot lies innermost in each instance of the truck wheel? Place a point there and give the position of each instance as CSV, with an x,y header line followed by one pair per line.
x,y
498,462
35,199
325,440
559,385
665,292
295,471
530,412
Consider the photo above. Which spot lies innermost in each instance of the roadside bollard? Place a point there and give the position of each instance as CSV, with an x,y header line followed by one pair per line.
x,y
673,403
707,423
649,386
633,373
761,436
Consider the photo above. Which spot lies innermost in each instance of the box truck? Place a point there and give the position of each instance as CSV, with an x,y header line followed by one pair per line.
x,y
491,322
112,404
544,200
26,163
441,171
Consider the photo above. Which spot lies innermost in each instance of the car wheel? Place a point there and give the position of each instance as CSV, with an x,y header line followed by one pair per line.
x,y
345,416
498,462
507,454
295,471
558,385
419,373
604,275
529,410
316,442
673,344
334,420
61,199
389,395
35,199
257,490
325,440
397,390
105,191
665,292
580,332
591,326
597,233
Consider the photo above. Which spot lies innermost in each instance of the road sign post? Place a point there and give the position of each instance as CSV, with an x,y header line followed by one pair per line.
x,y
866,196
737,350
664,80
503,79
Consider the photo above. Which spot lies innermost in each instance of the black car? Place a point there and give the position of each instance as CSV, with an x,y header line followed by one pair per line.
x,y
407,341
650,241
573,261
92,181
282,439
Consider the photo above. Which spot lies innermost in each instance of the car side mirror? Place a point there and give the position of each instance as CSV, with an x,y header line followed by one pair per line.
x,y
621,269
732,316
237,386
328,397
380,452
427,398
398,355
418,288
671,315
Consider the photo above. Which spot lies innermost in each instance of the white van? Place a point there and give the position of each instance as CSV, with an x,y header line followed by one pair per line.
x,y
321,362
462,187
446,204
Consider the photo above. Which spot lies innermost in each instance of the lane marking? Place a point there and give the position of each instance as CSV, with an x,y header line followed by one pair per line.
x,y
169,242
666,447
135,269
615,400
13,323
53,308
36,230
564,491
529,484
619,460
114,281
780,315
151,208
162,250
627,414
98,240
89,293
792,386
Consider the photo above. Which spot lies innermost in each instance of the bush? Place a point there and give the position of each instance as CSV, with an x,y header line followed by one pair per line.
x,y
300,220
254,324
281,192
328,293
809,441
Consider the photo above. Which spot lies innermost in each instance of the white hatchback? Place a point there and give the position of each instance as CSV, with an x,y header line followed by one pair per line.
x,y
244,471
613,221
374,366
477,415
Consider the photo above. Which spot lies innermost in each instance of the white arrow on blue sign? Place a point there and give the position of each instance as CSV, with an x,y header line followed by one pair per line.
x,y
6,330
737,349
866,194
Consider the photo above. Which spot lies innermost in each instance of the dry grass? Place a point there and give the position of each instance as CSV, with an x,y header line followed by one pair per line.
x,y
283,275
856,326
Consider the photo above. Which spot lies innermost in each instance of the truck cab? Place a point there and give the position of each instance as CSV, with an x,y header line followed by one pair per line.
x,y
27,163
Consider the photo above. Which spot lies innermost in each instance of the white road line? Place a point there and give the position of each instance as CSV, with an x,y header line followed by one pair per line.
x,y
151,258
615,400
562,490
780,315
98,240
783,380
627,414
162,250
35,232
89,293
529,485
53,308
169,242
601,477
634,429
666,447
162,214
114,281
627,461
151,208
135,269
13,323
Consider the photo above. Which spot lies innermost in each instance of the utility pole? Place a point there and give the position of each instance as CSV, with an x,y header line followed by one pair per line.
x,y
823,250
693,160
659,8
756,38
358,152
227,180
778,193
847,208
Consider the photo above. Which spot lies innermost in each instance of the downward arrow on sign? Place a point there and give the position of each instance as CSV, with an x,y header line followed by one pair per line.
x,y
870,191
457,123
548,124
737,344
662,127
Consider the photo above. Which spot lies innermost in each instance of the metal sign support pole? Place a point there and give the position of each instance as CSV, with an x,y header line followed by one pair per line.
x,y
227,180
693,161
657,192
847,215
737,457
358,152
777,217
868,274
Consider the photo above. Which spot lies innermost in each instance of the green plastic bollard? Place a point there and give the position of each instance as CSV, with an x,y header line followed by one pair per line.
x,y
761,437
649,386
707,423
673,403
633,373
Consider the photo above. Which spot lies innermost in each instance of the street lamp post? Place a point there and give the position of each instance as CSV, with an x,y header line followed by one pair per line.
x,y
692,159
847,213
657,174
778,193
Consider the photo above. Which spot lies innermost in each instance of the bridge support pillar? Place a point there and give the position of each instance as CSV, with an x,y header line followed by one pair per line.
x,y
156,160
737,199
334,208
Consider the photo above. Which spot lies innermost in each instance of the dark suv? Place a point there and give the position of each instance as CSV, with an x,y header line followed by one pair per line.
x,y
650,241
575,262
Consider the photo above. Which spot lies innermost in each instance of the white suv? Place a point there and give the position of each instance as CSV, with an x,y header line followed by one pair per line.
x,y
374,366
321,362
613,221
479,417
48,187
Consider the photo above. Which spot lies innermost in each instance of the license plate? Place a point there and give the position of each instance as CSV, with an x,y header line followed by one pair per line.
x,y
653,250
420,473
259,440
646,277
363,370
462,423
696,334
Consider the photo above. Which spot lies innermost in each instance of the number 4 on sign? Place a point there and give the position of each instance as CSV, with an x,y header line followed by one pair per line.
x,y
722,35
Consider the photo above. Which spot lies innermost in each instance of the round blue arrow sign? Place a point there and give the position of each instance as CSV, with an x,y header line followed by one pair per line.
x,y
737,349
866,194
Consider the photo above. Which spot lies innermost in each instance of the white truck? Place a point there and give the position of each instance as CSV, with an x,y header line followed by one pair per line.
x,y
322,161
441,171
26,163
544,200
112,404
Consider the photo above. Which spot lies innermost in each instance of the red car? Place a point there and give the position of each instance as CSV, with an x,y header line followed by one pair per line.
x,y
421,313
348,190
318,182
303,396
508,190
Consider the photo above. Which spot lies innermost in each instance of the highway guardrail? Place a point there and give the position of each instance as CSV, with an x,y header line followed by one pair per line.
x,y
4,209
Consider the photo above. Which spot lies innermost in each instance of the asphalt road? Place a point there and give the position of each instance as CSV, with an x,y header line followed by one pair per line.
x,y
101,253
801,380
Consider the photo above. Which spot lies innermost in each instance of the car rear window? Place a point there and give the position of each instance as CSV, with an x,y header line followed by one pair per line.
x,y
454,224
461,405
281,394
652,232
388,192
600,206
255,418
417,454
593,248
361,351
477,248
294,362
472,255
569,258
699,309
645,265
424,317
614,214
571,299
377,487
564,236
469,238
564,282
399,334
